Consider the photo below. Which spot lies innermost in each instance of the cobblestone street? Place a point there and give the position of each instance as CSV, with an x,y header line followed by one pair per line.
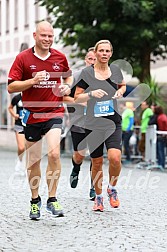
x,y
140,224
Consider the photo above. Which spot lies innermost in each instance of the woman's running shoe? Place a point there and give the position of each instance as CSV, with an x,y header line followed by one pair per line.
x,y
113,198
98,204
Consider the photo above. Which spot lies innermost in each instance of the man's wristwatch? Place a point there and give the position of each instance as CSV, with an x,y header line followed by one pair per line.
x,y
90,94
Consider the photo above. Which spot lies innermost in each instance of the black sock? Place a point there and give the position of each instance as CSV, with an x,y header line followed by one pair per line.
x,y
51,199
76,167
36,200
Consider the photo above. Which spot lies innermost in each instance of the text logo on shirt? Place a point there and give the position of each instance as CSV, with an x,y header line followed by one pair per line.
x,y
33,67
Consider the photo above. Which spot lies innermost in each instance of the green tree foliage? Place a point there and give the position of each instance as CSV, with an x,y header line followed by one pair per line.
x,y
137,29
156,96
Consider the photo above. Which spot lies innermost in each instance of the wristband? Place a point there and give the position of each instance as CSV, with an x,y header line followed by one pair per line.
x,y
90,94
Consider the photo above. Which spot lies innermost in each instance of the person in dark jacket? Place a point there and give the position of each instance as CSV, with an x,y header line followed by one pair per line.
x,y
160,119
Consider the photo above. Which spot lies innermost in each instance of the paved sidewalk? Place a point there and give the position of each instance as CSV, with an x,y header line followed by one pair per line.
x,y
140,224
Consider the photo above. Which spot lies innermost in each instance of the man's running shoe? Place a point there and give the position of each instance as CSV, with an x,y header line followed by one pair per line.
x,y
113,198
55,209
74,179
98,204
92,194
35,211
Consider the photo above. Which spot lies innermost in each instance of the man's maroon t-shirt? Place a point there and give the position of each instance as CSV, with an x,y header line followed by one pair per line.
x,y
43,99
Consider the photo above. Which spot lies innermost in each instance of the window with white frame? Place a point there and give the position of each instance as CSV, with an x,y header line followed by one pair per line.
x,y
3,105
26,13
7,16
0,18
16,15
36,13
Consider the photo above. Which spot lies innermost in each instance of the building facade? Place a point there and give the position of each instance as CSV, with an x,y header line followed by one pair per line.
x,y
17,23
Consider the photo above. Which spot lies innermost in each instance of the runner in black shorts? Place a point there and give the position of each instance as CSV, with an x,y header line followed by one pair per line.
x,y
77,120
43,76
100,85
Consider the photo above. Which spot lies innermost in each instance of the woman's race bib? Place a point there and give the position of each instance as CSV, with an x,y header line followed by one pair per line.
x,y
104,108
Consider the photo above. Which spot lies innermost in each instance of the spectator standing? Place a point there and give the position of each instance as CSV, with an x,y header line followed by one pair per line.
x,y
160,119
145,117
127,129
37,73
